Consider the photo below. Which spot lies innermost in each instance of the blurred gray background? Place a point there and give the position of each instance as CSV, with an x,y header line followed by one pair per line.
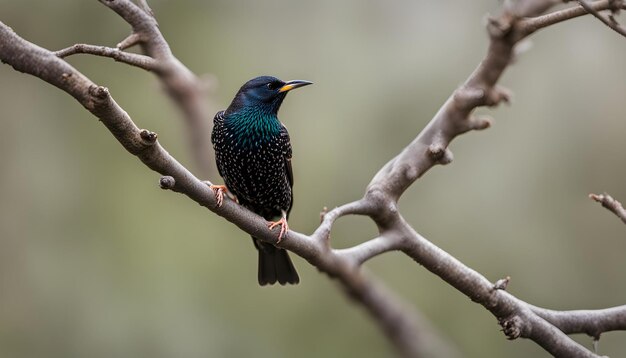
x,y
97,261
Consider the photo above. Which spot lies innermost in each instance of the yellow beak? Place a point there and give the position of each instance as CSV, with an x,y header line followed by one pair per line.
x,y
294,84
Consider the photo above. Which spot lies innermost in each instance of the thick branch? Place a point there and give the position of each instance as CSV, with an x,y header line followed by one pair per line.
x,y
454,117
430,147
515,316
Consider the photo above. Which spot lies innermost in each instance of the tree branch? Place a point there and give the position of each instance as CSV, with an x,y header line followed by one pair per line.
x,y
455,116
371,248
379,202
611,204
610,22
430,147
144,62
130,41
515,316
590,322
190,93
530,25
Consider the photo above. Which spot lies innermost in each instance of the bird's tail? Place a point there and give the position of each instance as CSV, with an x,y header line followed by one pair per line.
x,y
274,265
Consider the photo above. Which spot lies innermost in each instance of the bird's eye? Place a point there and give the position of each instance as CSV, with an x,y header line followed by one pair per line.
x,y
273,85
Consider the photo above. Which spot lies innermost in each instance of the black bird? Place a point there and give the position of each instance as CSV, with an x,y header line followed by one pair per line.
x,y
253,155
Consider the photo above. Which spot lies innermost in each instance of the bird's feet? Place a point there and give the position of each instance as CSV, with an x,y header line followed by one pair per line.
x,y
219,191
283,227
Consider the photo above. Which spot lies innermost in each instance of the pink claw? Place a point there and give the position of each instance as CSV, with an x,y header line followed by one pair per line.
x,y
283,227
219,191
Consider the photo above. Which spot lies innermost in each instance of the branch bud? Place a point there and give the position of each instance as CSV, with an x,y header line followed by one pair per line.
x,y
167,182
147,137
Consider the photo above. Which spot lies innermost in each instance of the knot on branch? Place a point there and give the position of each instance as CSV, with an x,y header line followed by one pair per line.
x,y
99,98
502,283
167,182
148,138
323,213
511,326
440,154
99,92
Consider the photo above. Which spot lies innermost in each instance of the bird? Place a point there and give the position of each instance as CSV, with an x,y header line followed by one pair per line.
x,y
253,156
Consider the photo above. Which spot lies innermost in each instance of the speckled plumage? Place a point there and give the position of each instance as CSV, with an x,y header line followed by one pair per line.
x,y
253,155
255,164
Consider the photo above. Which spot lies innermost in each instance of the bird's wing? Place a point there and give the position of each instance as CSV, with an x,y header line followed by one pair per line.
x,y
286,148
218,125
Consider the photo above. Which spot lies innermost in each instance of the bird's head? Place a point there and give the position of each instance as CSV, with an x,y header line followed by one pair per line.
x,y
264,93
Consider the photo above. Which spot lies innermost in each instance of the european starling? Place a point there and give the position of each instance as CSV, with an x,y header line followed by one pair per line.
x,y
253,155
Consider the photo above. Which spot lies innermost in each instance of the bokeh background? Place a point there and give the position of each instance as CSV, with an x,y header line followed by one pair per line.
x,y
97,261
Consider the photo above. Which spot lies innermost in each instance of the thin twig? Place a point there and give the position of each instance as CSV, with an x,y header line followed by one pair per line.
x,y
590,322
144,62
370,248
527,26
359,207
610,22
613,205
130,41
